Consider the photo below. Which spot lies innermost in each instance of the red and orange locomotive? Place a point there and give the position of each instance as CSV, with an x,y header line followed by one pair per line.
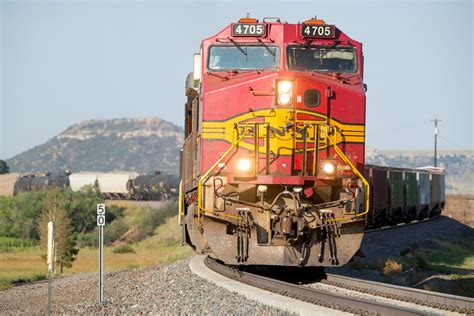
x,y
273,158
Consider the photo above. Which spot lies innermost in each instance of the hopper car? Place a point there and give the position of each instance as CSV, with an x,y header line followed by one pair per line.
x,y
403,195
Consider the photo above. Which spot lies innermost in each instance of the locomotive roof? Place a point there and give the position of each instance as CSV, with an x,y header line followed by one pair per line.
x,y
282,31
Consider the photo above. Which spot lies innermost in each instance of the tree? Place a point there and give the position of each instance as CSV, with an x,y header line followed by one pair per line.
x,y
4,167
65,240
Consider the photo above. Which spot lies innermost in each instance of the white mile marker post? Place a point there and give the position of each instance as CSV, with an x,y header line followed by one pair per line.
x,y
50,260
101,224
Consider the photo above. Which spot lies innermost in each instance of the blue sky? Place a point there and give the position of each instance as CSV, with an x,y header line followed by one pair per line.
x,y
67,61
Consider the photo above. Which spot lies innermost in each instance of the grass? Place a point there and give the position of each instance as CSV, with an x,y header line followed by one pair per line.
x,y
453,259
123,249
449,257
20,265
11,242
23,264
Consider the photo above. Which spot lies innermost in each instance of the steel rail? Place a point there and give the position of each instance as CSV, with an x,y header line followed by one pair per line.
x,y
315,296
448,302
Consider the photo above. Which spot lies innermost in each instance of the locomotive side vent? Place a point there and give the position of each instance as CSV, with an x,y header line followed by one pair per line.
x,y
311,98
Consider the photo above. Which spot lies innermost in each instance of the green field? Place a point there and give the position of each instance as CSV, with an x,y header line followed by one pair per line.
x,y
164,246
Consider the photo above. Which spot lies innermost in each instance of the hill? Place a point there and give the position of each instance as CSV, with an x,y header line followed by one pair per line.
x,y
138,144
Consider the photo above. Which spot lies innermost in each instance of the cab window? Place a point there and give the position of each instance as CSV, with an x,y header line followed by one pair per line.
x,y
243,57
341,59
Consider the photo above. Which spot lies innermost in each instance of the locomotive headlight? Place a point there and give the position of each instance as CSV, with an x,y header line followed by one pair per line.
x,y
244,165
285,86
327,168
284,92
284,99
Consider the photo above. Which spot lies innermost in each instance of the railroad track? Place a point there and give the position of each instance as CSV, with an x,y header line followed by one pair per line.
x,y
345,303
447,302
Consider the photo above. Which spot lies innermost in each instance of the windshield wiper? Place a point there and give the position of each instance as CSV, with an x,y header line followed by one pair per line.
x,y
238,46
266,46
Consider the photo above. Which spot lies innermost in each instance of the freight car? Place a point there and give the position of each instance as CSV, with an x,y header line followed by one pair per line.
x,y
155,187
404,195
113,185
36,182
273,167
128,185
116,186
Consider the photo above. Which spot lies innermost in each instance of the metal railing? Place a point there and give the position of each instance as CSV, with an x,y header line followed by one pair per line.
x,y
355,170
330,140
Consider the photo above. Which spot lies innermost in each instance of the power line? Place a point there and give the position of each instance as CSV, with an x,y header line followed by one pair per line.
x,y
450,142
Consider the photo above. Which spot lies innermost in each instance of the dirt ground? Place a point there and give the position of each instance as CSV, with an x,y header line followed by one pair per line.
x,y
461,208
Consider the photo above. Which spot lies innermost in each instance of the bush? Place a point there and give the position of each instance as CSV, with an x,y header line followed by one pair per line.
x,y
123,249
19,214
115,230
11,242
90,239
392,267
147,219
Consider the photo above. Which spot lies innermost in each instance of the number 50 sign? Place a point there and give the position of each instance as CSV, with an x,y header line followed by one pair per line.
x,y
100,214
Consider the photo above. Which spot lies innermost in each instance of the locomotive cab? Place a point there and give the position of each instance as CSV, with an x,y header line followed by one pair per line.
x,y
274,145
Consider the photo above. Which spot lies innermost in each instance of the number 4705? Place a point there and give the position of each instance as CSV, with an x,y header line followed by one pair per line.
x,y
316,30
249,29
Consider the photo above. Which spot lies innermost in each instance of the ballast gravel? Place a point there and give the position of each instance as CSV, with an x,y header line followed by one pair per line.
x,y
383,244
164,290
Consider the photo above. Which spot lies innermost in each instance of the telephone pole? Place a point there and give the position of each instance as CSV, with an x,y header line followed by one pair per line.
x,y
435,139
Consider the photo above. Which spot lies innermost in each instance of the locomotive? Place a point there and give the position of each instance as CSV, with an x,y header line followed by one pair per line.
x,y
272,168
273,159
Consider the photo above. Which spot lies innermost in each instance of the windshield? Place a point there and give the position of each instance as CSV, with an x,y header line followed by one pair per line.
x,y
322,58
243,57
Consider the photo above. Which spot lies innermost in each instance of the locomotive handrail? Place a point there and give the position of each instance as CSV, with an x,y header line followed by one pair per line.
x,y
180,199
205,177
354,169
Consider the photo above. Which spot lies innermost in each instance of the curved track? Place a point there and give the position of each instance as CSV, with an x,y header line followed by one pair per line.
x,y
436,300
421,298
356,305
315,296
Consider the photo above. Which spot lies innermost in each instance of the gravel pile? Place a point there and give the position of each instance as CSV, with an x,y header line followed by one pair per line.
x,y
171,289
